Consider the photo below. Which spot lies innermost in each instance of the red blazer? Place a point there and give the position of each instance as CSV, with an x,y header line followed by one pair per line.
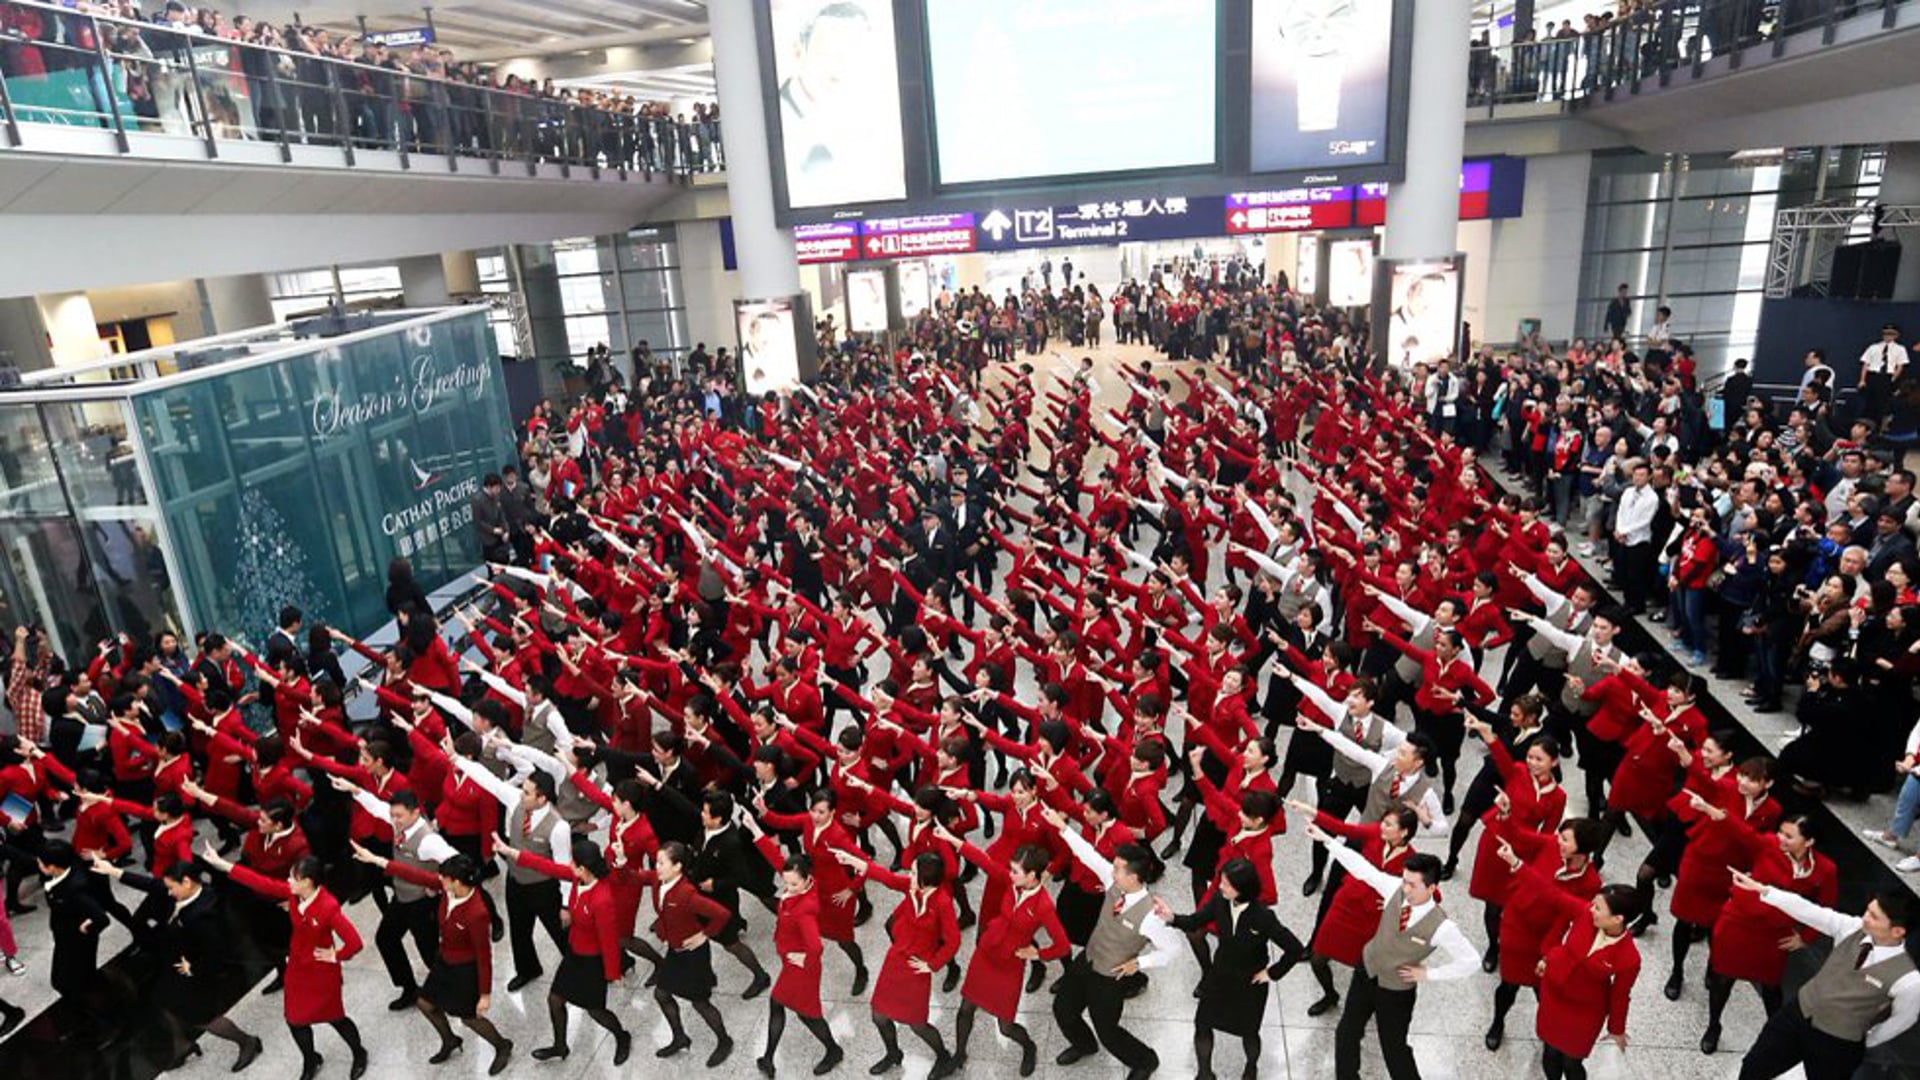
x,y
796,930
312,985
593,928
466,935
1584,988
995,974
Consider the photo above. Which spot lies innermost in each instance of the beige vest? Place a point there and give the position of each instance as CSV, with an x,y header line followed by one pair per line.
x,y
1380,797
1117,939
407,850
1546,651
1407,667
539,841
1843,1002
1351,772
1393,948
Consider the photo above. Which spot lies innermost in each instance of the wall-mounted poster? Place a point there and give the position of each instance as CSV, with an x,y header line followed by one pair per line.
x,y
769,355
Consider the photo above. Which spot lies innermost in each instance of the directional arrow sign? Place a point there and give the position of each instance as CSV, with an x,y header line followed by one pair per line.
x,y
997,224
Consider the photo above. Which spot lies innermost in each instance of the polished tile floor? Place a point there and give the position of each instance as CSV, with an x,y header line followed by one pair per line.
x,y
1447,1032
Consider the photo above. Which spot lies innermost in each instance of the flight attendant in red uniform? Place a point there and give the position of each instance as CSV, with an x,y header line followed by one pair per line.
x,y
1528,926
796,940
923,936
593,946
1751,940
1586,976
1007,942
323,939
687,921
460,980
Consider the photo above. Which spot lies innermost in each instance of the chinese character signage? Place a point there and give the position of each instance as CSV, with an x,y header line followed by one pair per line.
x,y
834,241
1287,211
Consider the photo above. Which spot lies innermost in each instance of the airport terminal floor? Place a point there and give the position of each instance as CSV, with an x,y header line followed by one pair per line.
x,y
1446,1035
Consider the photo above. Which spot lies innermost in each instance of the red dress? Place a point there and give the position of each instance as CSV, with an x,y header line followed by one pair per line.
x,y
922,928
994,974
312,985
797,930
1746,936
836,920
1533,917
1354,915
1530,806
1704,882
1584,988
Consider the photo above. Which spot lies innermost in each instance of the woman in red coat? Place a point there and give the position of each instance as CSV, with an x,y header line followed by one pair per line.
x,y
822,833
1006,944
923,937
1528,917
1751,940
323,939
1715,848
593,947
796,938
1353,915
1587,974
460,980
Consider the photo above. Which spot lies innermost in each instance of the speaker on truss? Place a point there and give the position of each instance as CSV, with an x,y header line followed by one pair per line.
x,y
1865,271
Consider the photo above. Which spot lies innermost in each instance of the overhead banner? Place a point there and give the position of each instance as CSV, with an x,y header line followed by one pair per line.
x,y
1117,221
1289,211
834,241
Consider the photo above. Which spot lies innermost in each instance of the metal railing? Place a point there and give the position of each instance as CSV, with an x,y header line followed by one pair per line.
x,y
62,66
1650,42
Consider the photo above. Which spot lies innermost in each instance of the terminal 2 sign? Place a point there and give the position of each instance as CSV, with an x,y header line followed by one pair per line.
x,y
1488,190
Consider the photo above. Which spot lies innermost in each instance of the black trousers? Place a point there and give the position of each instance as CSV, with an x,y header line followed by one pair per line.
x,y
419,919
1087,995
528,905
1391,1012
1789,1040
1635,570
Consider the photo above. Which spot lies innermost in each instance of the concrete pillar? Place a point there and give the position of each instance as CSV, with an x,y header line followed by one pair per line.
x,y
229,304
73,336
23,335
423,282
708,287
1423,210
764,250
462,272
1900,186
1532,271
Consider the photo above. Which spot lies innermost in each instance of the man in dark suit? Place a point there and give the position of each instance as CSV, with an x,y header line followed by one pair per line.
x,y
803,560
490,521
972,548
76,918
1891,544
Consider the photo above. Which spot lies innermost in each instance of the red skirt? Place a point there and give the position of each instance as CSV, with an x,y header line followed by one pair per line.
x,y
1747,946
312,994
1568,1026
994,985
900,993
1700,891
1351,922
798,987
1521,946
836,919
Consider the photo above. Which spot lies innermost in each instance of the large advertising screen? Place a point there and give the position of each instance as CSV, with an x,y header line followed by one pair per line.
x,y
1025,90
1322,83
769,352
837,74
1350,273
916,289
1423,311
867,301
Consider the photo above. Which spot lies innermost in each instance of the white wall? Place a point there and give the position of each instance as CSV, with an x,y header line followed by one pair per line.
x,y
709,287
1534,259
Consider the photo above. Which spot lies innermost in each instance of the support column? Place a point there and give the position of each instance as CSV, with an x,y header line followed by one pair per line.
x,y
23,335
1900,186
462,272
75,338
768,267
423,282
240,302
1423,211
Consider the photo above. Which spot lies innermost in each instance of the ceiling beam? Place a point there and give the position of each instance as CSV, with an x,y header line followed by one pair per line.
x,y
650,35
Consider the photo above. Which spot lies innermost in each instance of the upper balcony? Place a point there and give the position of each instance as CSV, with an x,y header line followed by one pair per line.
x,y
78,83
1677,76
